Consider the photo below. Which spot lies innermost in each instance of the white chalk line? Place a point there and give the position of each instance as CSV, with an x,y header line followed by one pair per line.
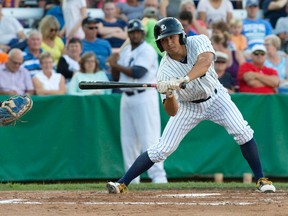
x,y
28,202
25,202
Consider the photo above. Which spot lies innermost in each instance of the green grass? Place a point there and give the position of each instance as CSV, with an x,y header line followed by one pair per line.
x,y
142,186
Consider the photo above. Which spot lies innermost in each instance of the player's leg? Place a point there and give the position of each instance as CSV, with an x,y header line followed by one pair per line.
x,y
228,115
175,130
131,147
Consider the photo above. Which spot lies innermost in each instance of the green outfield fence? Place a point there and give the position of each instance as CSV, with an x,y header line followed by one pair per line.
x,y
78,138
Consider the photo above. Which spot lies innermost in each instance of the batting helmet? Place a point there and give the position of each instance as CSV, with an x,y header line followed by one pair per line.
x,y
135,25
166,27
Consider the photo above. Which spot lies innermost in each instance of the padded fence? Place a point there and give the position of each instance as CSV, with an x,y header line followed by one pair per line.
x,y
78,138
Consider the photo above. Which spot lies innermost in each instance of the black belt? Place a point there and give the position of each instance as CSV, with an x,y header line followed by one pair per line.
x,y
203,100
128,93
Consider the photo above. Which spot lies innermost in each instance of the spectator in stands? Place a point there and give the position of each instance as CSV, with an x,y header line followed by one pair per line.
x,y
273,10
11,3
14,79
111,28
74,12
3,57
239,40
48,4
11,31
89,71
254,29
198,26
32,52
220,41
276,59
255,77
210,11
281,30
57,12
131,9
185,17
220,68
169,8
49,27
68,64
100,47
48,82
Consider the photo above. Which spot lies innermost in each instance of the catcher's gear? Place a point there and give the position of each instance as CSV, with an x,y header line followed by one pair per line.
x,y
166,27
14,108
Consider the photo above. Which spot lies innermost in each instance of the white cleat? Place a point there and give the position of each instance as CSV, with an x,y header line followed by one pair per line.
x,y
265,186
116,188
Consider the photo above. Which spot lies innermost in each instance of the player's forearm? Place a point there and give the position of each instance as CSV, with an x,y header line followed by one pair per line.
x,y
126,70
171,106
201,66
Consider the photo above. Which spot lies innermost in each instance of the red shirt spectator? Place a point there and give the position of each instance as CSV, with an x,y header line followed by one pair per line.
x,y
254,77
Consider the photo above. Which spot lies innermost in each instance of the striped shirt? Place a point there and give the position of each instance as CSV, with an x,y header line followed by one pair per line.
x,y
199,88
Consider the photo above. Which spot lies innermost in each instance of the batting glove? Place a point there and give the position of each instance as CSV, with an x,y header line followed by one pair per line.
x,y
162,86
176,83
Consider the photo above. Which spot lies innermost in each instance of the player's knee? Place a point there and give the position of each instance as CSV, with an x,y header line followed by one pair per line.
x,y
244,136
156,155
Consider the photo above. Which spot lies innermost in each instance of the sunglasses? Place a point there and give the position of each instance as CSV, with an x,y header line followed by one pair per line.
x,y
92,28
220,62
53,30
259,53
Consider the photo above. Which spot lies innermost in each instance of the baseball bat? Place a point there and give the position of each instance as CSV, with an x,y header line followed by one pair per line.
x,y
112,84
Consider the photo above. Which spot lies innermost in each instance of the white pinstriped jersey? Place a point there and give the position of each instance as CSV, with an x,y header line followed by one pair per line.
x,y
219,108
144,55
199,88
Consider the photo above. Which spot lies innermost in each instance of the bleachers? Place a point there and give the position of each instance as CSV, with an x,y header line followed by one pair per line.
x,y
32,14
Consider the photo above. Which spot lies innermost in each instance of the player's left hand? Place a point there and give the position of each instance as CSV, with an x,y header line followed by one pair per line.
x,y
176,83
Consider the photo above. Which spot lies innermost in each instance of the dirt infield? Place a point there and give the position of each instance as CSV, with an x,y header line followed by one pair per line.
x,y
153,203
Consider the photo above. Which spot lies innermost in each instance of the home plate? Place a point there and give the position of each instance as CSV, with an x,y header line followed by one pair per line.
x,y
190,195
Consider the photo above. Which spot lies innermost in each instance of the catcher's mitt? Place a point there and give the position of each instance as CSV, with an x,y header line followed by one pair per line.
x,y
14,108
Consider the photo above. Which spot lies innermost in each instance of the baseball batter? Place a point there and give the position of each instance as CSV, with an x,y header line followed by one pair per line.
x,y
140,113
191,60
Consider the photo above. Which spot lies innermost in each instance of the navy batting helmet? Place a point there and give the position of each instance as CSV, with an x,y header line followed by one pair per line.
x,y
135,25
166,27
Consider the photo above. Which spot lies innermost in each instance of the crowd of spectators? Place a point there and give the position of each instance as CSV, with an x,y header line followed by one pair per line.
x,y
80,45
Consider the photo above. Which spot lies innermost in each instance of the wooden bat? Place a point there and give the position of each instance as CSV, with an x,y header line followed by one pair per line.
x,y
112,84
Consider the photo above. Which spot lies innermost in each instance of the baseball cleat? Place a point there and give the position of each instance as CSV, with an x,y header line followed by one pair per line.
x,y
265,186
116,188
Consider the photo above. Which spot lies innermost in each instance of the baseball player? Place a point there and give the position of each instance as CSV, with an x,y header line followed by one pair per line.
x,y
140,113
14,108
191,60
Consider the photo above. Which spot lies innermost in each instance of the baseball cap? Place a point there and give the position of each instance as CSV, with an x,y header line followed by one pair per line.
x,y
250,3
258,47
150,12
221,56
88,20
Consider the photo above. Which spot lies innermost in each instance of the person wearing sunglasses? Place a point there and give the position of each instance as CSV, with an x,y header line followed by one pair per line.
x,y
51,42
14,79
101,47
220,66
255,77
